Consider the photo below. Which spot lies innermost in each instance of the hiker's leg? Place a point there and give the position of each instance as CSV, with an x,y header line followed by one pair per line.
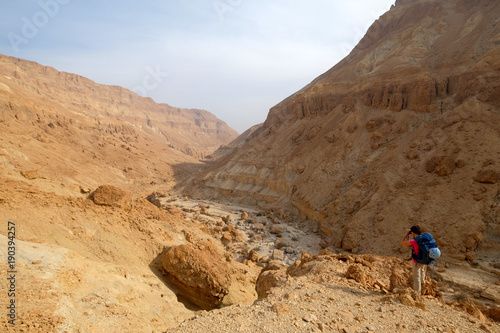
x,y
417,282
422,269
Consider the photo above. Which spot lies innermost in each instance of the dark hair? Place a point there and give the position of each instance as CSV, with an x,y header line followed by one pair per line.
x,y
416,229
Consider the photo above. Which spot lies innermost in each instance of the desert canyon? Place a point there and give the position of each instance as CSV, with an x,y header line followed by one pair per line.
x,y
135,216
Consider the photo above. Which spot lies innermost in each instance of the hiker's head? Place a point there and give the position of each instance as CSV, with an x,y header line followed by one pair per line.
x,y
416,230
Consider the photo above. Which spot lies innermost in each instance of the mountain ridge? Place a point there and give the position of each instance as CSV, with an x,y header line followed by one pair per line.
x,y
86,127
111,100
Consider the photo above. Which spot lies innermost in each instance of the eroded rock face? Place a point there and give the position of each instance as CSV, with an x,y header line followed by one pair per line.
x,y
199,272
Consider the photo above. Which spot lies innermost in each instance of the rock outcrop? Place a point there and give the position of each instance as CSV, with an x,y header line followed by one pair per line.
x,y
397,133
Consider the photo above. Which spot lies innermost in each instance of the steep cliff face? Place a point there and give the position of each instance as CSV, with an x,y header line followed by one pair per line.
x,y
404,130
74,130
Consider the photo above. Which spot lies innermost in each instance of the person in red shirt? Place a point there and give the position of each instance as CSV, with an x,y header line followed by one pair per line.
x,y
418,269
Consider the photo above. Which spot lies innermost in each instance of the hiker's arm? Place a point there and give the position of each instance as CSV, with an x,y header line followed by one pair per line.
x,y
405,240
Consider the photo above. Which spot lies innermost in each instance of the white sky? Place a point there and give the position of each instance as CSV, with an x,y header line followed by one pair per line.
x,y
234,58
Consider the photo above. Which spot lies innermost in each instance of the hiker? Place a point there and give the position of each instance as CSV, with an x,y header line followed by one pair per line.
x,y
418,269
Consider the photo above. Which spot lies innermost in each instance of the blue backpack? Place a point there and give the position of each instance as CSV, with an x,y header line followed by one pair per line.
x,y
428,251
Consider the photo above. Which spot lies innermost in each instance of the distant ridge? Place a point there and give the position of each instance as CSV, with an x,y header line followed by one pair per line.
x,y
93,132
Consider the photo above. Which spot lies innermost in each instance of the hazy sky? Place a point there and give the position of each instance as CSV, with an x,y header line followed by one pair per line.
x,y
234,58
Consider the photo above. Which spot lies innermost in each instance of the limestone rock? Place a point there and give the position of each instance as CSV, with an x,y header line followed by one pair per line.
x,y
231,234
350,240
85,190
154,198
107,195
494,314
277,229
199,272
226,238
470,256
471,308
409,297
273,275
487,177
281,308
443,166
30,174
227,218
278,254
356,273
253,256
310,318
400,278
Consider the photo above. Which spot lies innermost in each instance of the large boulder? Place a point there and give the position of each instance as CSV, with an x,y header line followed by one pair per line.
x,y
199,272
107,195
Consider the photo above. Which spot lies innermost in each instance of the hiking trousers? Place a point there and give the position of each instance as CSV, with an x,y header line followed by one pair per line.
x,y
418,277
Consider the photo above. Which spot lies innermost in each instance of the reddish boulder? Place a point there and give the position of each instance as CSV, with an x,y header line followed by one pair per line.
x,y
107,195
199,272
487,177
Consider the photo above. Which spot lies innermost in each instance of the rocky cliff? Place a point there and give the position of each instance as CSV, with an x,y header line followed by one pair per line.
x,y
69,128
405,130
